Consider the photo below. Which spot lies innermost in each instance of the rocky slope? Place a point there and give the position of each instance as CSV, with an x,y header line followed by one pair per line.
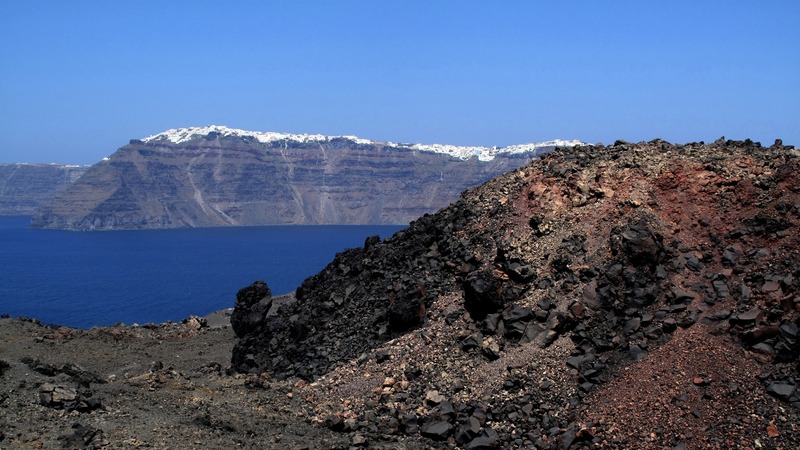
x,y
217,176
24,188
154,386
631,296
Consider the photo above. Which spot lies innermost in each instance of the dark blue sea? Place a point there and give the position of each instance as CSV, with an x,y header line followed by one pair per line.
x,y
85,279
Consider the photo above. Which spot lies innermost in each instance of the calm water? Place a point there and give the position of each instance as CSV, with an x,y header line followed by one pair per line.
x,y
83,279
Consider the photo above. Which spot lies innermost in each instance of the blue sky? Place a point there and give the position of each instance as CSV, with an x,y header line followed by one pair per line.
x,y
78,79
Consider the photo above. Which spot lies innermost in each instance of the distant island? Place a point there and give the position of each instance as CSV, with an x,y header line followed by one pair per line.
x,y
24,188
218,176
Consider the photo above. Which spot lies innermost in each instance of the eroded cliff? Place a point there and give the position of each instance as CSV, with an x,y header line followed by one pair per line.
x,y
220,177
24,188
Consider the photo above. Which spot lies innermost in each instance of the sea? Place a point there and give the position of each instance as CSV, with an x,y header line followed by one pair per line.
x,y
102,278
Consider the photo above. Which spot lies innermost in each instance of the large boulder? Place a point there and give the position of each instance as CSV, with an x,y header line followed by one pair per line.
x,y
252,305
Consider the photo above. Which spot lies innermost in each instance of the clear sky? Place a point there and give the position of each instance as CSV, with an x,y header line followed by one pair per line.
x,y
78,79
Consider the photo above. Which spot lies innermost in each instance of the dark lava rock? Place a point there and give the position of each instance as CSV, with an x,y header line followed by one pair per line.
x,y
614,283
438,431
746,318
781,389
489,440
719,315
84,437
406,311
335,423
636,352
518,314
483,294
632,325
252,305
640,244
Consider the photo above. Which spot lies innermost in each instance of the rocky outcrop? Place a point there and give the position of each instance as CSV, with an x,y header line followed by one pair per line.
x,y
627,296
217,176
24,188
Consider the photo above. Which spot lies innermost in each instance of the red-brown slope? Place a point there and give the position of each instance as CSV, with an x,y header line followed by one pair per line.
x,y
563,304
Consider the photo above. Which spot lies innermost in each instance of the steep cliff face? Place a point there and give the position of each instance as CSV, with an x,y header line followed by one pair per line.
x,y
216,176
24,188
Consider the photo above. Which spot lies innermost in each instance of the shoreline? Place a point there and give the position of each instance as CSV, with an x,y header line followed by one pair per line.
x,y
217,319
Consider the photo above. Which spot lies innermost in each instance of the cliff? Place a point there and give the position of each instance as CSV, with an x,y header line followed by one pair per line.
x,y
216,176
24,188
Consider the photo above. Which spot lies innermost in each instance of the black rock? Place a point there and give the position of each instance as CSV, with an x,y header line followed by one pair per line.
x,y
438,431
446,411
548,338
83,437
472,341
763,348
781,389
531,331
492,323
682,296
640,244
521,273
669,325
636,352
788,333
410,423
482,294
87,404
719,315
381,357
335,423
489,440
463,434
567,438
516,330
407,311
631,325
252,304
518,314
746,318
653,332
731,254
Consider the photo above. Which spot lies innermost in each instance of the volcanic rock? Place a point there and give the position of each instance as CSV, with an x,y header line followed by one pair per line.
x,y
608,282
251,308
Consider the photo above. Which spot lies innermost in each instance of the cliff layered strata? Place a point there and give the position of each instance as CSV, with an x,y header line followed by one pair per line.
x,y
24,188
224,177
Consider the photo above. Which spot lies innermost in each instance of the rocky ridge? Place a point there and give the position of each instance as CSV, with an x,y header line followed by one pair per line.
x,y
218,176
636,295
